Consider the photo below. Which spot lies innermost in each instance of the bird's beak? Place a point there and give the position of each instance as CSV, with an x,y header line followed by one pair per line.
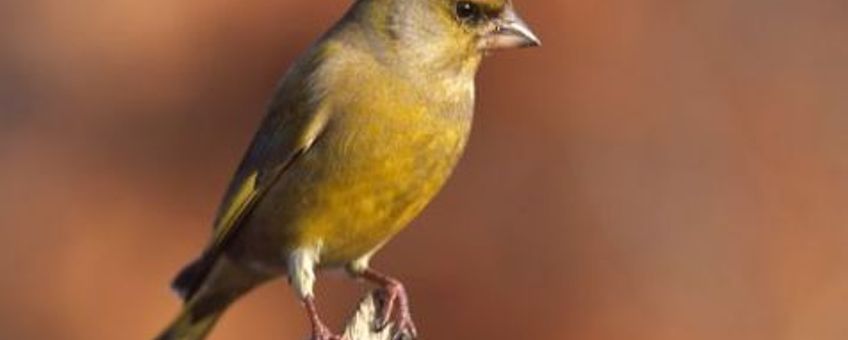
x,y
511,31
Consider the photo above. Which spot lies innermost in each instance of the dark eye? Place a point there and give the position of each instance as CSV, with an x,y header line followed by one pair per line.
x,y
468,11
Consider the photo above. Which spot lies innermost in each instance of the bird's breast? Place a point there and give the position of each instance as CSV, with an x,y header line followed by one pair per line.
x,y
385,168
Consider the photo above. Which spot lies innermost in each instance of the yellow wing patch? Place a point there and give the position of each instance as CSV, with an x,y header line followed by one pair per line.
x,y
241,202
301,134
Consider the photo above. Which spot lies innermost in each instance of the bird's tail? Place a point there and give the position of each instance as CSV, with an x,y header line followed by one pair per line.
x,y
224,283
187,326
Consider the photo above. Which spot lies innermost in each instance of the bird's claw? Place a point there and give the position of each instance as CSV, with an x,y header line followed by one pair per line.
x,y
406,329
323,333
395,301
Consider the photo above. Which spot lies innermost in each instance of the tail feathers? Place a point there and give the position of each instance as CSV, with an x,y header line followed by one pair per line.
x,y
191,278
190,326
209,286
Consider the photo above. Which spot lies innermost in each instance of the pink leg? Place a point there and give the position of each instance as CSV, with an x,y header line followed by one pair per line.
x,y
320,331
394,300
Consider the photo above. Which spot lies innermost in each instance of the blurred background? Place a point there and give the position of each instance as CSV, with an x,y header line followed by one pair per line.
x,y
660,169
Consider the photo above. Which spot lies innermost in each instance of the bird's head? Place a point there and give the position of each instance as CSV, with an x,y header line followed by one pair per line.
x,y
490,24
447,34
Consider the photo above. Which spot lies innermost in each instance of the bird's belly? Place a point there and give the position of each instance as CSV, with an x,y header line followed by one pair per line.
x,y
351,193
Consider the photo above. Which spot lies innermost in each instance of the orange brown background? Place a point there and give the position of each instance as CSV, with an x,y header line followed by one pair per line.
x,y
660,169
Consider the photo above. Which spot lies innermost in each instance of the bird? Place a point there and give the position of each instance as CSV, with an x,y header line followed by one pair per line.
x,y
361,133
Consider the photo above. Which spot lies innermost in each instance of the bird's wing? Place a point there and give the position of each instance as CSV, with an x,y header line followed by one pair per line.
x,y
288,131
283,137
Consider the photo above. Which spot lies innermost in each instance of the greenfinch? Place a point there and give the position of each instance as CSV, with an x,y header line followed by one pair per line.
x,y
363,131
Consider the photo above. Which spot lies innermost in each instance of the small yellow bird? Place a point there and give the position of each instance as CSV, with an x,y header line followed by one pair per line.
x,y
363,131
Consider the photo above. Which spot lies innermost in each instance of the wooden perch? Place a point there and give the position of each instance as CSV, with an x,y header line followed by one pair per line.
x,y
361,325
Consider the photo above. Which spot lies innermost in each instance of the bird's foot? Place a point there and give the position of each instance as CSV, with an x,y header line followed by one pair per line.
x,y
320,331
394,306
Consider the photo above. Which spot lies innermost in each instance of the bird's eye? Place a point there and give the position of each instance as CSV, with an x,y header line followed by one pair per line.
x,y
468,11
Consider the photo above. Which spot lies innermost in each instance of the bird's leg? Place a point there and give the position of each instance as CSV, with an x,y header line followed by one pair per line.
x,y
395,300
320,331
301,267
